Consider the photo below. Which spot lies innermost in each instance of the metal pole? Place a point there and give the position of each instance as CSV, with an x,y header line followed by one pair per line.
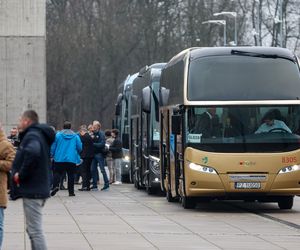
x,y
258,21
225,33
281,25
235,31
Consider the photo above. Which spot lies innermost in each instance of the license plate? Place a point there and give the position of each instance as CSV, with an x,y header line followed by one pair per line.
x,y
247,185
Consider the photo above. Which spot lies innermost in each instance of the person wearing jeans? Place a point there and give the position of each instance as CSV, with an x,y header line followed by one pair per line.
x,y
33,210
7,154
31,174
99,147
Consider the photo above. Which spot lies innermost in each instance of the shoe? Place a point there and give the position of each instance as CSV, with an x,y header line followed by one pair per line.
x,y
83,189
54,191
94,189
105,187
62,187
71,194
117,183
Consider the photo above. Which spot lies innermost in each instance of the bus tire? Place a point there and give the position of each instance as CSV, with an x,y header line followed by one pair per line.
x,y
169,196
136,182
126,178
286,202
188,202
150,190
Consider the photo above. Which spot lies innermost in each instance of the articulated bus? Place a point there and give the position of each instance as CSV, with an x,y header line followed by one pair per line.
x,y
122,123
145,138
230,129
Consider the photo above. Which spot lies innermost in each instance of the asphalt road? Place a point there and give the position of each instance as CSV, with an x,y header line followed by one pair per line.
x,y
126,218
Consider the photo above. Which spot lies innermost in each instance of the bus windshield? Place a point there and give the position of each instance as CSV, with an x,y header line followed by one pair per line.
x,y
241,78
255,128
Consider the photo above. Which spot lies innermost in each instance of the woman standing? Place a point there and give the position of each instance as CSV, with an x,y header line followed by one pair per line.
x,y
7,155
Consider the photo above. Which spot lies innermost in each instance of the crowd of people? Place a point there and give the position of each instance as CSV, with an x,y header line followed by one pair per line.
x,y
35,159
82,153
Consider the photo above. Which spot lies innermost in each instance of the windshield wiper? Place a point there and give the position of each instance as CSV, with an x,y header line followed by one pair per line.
x,y
255,54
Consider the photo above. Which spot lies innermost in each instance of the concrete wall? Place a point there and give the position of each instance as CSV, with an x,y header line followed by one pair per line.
x,y
22,59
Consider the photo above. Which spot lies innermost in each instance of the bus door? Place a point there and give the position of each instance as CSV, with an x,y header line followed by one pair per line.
x,y
144,146
176,157
165,149
134,152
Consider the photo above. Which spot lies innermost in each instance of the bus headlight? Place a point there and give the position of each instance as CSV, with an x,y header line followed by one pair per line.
x,y
203,169
126,158
289,169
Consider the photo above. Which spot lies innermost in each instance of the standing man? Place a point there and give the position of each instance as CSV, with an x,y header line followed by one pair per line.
x,y
117,155
13,137
65,152
209,124
7,155
31,174
99,147
87,155
108,159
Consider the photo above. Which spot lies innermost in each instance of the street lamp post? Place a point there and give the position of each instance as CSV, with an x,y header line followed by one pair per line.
x,y
219,22
281,24
230,14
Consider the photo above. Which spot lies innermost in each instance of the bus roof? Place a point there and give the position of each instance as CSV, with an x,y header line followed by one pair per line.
x,y
216,51
129,80
222,75
197,52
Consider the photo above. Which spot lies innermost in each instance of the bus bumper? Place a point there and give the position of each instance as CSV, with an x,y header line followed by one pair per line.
x,y
224,185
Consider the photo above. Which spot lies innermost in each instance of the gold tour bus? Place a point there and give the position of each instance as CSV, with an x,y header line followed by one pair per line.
x,y
231,124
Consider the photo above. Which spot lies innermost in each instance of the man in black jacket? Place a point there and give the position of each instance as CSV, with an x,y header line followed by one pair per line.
x,y
99,147
116,154
31,174
87,155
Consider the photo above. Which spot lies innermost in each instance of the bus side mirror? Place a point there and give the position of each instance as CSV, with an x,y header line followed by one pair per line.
x,y
164,96
118,105
143,71
176,124
146,99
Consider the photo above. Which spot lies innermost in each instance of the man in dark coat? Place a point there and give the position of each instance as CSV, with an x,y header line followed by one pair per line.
x,y
117,155
31,173
13,137
87,155
209,124
99,148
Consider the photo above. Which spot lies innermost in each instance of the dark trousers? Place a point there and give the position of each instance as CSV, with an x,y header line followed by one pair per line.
x,y
85,171
59,169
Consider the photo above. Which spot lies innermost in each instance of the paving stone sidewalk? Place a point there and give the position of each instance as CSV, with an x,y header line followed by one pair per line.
x,y
125,218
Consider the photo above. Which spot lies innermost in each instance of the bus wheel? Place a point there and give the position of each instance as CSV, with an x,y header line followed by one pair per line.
x,y
136,182
150,190
188,202
286,202
169,196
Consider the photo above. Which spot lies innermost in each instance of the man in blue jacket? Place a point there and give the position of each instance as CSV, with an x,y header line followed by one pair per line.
x,y
99,147
31,174
65,152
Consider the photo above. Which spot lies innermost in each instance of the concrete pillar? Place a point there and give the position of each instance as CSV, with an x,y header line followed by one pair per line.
x,y
22,59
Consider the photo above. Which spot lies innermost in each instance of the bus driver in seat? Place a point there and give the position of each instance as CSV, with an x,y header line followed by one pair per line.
x,y
270,124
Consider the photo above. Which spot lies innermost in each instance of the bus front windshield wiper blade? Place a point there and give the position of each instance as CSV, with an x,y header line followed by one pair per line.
x,y
255,54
